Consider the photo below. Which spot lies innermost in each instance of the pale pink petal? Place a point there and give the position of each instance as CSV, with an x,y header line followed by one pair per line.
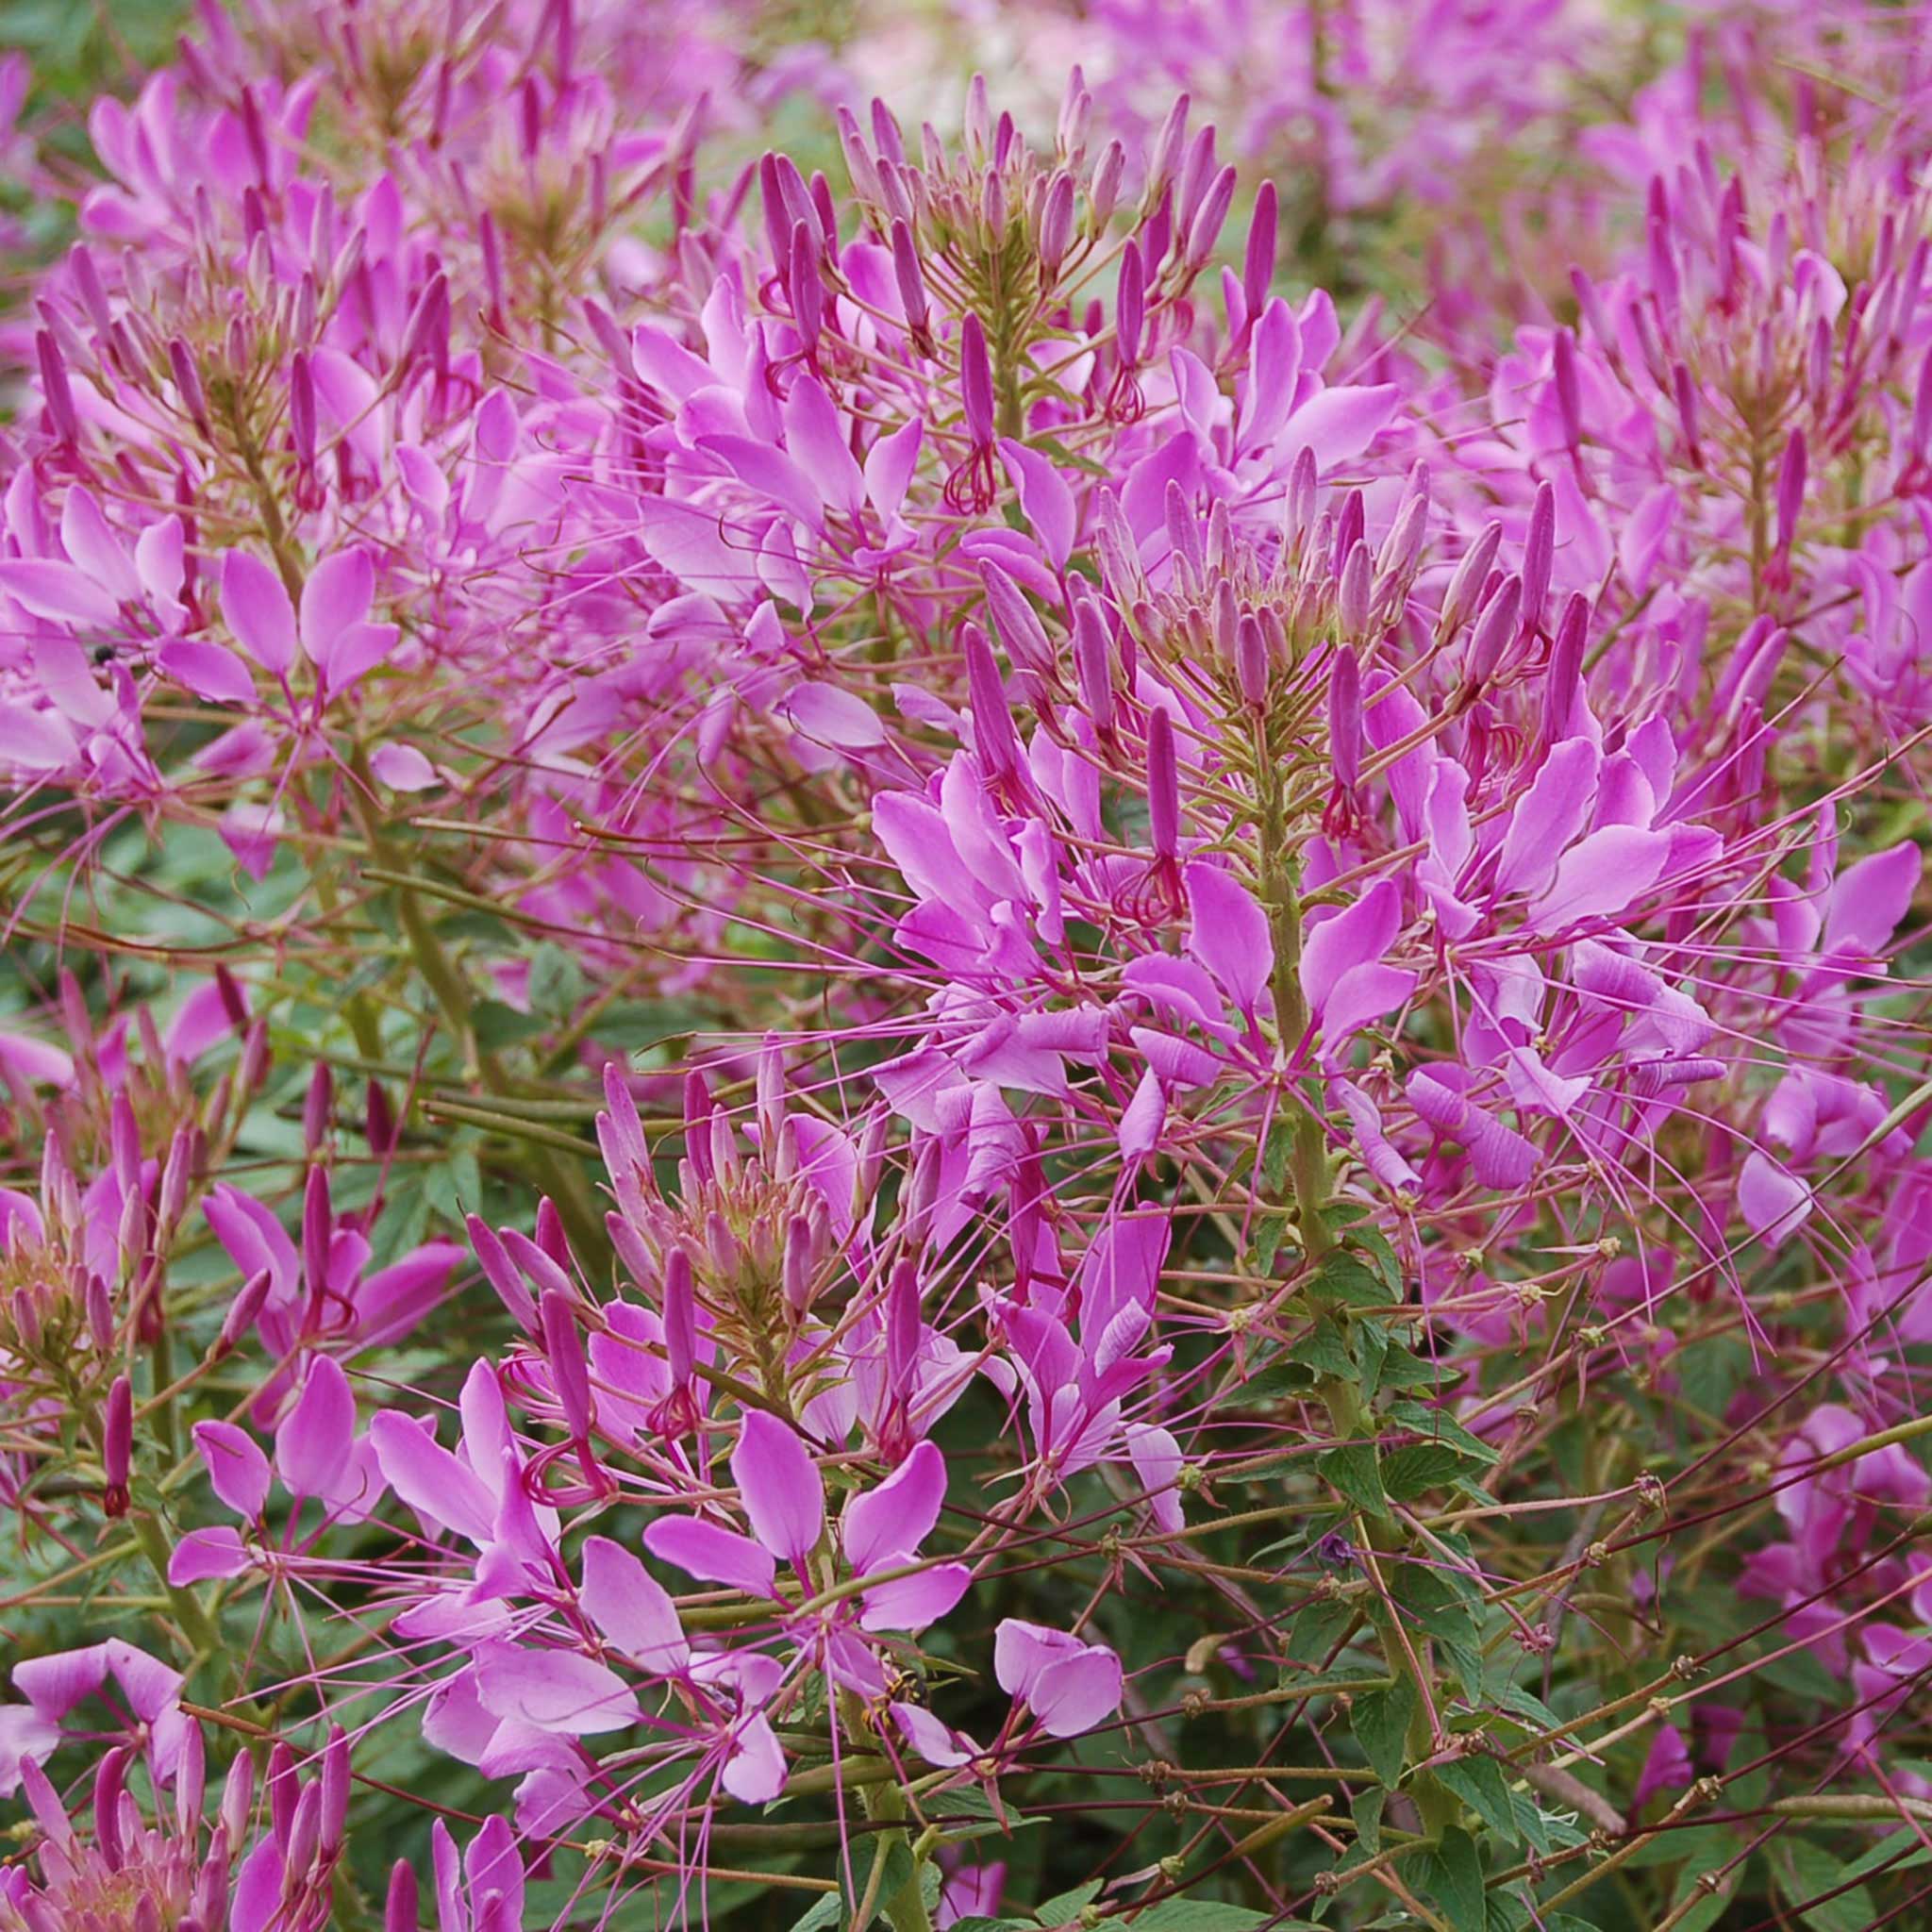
x,y
716,1555
631,1607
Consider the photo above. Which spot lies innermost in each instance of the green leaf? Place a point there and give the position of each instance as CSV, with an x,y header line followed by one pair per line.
x,y
1414,1470
1381,1728
1441,1427
1480,1783
1324,1349
1402,1368
497,1025
1806,1873
1194,1915
1318,1628
1352,1471
1341,1277
1367,1812
1452,1875
1067,1903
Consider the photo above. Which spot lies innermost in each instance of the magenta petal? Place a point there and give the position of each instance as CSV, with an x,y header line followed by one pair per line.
x,y
631,1607
430,1480
334,598
236,1466
1871,898
1600,875
209,671
257,1905
554,1690
928,1735
1773,1201
711,1553
54,1685
313,1442
784,1496
258,611
898,1514
1228,933
205,1553
1354,937
1547,817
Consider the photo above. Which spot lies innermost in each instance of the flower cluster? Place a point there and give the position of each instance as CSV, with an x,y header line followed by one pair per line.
x,y
1017,1020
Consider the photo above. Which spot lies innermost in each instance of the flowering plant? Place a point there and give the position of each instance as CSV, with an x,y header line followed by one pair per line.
x,y
969,1024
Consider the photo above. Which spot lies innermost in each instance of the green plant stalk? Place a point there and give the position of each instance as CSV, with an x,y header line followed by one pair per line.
x,y
1437,1805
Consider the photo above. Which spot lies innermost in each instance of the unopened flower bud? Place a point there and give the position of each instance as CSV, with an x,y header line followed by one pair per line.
x,y
117,1446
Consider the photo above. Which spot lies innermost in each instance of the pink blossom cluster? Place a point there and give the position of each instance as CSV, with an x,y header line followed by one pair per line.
x,y
973,1023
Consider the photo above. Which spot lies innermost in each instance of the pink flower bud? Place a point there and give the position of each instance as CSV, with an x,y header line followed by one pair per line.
x,y
1103,190
1130,304
1345,719
1264,234
563,1348
906,272
244,1309
1563,370
1563,684
1539,555
335,1790
501,1273
994,736
1204,230
680,1316
317,1108
402,1906
1019,630
1472,575
1251,662
1494,632
1094,664
1163,787
117,1446
1057,223
1791,488
975,380
54,387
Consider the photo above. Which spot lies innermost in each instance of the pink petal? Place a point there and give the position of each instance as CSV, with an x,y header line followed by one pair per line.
x,y
236,1466
1359,933
429,1479
58,593
714,1555
1773,1201
1547,817
402,768
1600,875
313,1442
631,1607
334,600
258,611
555,1690
1228,933
1044,498
784,1496
830,715
910,1603
209,671
898,1514
755,1771
205,1553
1871,898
